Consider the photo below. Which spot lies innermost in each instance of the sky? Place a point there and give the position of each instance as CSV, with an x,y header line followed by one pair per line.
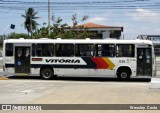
x,y
137,17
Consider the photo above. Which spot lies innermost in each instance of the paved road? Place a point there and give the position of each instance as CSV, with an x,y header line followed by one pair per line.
x,y
32,90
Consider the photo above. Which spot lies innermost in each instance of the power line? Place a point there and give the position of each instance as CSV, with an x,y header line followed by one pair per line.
x,y
90,6
75,3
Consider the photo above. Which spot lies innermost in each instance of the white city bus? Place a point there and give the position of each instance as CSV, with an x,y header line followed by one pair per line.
x,y
49,58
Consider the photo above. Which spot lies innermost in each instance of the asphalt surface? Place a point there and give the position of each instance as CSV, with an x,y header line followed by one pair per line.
x,y
78,90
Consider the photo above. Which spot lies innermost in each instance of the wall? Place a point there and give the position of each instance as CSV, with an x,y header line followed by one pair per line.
x,y
105,35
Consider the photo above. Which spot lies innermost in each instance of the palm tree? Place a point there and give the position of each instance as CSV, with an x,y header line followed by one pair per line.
x,y
30,20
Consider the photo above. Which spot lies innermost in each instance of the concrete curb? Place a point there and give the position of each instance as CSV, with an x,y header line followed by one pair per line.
x,y
4,77
155,83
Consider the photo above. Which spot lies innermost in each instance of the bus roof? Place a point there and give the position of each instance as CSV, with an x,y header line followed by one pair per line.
x,y
78,41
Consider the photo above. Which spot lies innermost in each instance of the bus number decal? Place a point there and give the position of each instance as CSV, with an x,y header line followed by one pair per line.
x,y
121,61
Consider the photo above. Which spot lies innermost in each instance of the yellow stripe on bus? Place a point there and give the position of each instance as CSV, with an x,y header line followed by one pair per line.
x,y
109,62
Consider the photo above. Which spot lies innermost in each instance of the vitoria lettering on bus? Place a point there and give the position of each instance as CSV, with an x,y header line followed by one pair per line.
x,y
65,61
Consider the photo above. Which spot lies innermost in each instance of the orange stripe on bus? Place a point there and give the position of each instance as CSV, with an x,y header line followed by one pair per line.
x,y
109,62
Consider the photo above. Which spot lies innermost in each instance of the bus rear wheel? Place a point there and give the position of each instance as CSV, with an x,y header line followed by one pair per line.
x,y
47,73
123,74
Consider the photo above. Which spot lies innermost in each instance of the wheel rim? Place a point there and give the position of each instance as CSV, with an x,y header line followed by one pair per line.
x,y
47,74
124,75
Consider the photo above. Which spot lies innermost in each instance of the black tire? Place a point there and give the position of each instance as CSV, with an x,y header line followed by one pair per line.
x,y
47,73
123,74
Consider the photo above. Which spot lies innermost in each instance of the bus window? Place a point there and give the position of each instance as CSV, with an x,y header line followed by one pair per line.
x,y
64,50
125,50
27,52
19,52
84,49
45,50
33,50
107,50
9,49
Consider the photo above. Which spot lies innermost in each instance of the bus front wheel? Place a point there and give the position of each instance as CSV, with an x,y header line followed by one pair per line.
x,y
123,74
47,73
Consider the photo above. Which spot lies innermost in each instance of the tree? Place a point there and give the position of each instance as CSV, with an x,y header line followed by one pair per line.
x,y
30,20
14,35
79,31
62,30
75,20
57,30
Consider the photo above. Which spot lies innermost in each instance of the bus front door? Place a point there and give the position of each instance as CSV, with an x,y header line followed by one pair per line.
x,y
144,62
22,59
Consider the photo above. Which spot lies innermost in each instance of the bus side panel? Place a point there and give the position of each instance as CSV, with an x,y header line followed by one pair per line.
x,y
89,72
35,71
77,72
59,71
125,62
9,70
8,62
102,72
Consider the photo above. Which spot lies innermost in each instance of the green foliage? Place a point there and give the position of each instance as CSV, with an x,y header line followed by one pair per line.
x,y
41,33
62,30
57,30
17,35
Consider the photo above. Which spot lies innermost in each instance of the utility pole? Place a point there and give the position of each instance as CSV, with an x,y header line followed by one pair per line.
x,y
49,18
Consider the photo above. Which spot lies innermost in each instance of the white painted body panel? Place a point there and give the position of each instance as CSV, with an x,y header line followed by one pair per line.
x,y
117,61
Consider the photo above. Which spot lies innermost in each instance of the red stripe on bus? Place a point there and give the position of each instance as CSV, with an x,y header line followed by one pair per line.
x,y
98,65
101,64
37,59
104,64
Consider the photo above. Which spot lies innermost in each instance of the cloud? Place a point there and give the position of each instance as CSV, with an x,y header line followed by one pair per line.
x,y
139,22
144,15
98,20
101,18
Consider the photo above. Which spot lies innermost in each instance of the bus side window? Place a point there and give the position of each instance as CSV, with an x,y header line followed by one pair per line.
x,y
45,50
84,49
125,50
65,50
9,49
33,50
107,50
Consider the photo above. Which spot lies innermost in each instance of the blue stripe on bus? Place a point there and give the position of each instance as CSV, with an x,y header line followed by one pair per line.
x,y
54,66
